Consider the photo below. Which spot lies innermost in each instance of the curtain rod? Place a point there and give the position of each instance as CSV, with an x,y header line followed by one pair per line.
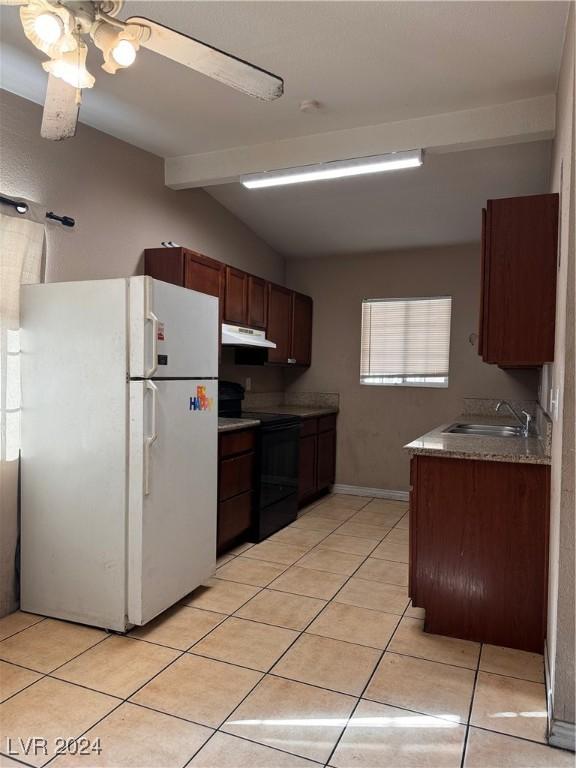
x,y
22,208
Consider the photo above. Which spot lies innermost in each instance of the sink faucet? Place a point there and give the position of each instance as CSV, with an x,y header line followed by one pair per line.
x,y
524,422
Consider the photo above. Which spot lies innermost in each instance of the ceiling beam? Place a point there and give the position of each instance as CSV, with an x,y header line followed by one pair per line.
x,y
511,123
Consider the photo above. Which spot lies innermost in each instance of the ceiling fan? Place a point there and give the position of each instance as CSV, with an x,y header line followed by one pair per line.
x,y
59,29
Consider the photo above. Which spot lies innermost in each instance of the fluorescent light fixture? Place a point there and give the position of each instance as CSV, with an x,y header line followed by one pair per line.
x,y
338,169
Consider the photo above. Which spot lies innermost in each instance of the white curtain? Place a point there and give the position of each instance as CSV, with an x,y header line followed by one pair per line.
x,y
21,252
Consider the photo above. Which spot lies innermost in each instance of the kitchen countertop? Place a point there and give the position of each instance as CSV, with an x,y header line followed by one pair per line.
x,y
229,425
304,411
527,450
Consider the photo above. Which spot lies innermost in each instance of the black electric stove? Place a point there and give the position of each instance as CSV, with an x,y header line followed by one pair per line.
x,y
277,455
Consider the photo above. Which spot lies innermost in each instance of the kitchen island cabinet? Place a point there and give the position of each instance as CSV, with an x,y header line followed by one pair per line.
x,y
479,549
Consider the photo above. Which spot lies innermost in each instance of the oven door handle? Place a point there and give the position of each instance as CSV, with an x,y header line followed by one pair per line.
x,y
278,427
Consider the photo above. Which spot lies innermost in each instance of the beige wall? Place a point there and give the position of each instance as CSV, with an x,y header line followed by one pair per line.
x,y
117,195
375,422
561,377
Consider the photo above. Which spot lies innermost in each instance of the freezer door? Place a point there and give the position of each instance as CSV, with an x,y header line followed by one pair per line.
x,y
172,492
173,331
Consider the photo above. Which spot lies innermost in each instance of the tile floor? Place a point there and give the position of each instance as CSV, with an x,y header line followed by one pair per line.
x,y
302,651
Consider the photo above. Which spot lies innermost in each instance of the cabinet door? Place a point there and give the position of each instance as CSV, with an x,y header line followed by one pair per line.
x,y
482,523
234,520
307,466
236,297
279,323
484,290
326,459
256,302
203,274
166,264
520,280
301,329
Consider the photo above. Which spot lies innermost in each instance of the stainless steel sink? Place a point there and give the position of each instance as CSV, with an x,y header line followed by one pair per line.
x,y
484,430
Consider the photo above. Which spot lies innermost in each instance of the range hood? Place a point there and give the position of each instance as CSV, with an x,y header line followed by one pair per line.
x,y
236,336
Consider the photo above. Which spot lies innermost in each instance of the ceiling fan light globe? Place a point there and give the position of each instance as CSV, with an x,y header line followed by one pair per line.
x,y
48,27
71,67
124,53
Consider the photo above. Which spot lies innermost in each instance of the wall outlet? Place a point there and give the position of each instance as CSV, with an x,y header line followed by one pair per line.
x,y
248,384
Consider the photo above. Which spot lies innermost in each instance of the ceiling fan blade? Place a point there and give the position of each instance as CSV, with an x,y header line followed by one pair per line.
x,y
210,61
60,110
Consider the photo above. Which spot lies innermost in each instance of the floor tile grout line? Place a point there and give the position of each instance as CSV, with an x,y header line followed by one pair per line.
x,y
19,631
225,616
476,673
124,700
301,632
20,690
251,741
432,661
335,747
180,655
460,723
561,750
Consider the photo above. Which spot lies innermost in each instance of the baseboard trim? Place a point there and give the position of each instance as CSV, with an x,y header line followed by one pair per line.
x,y
377,493
562,735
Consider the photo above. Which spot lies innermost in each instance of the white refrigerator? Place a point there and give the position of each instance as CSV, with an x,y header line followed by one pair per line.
x,y
119,448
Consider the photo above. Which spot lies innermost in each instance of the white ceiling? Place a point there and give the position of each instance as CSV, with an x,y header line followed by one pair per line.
x,y
366,62
436,204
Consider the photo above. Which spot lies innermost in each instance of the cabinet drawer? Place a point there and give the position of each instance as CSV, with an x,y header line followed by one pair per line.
x,y
235,476
308,427
234,519
326,423
233,443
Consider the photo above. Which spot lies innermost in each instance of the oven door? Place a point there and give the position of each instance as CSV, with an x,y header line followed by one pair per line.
x,y
278,463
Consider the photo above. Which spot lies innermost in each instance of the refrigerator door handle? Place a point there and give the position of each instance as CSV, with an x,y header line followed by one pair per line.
x,y
154,324
149,440
153,320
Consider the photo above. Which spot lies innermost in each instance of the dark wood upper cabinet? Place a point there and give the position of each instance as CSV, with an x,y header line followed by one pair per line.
x,y
203,274
245,300
184,267
256,302
301,347
165,264
279,327
235,297
518,299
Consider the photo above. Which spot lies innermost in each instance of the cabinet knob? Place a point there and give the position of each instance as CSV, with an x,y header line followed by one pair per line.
x,y
292,360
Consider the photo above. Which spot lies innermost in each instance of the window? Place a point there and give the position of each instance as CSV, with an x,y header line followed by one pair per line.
x,y
405,342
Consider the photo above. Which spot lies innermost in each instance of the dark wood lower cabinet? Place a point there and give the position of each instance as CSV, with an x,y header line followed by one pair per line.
x,y
308,460
326,458
479,549
235,487
234,520
317,457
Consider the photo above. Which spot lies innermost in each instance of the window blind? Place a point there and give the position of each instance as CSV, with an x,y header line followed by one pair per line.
x,y
405,341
